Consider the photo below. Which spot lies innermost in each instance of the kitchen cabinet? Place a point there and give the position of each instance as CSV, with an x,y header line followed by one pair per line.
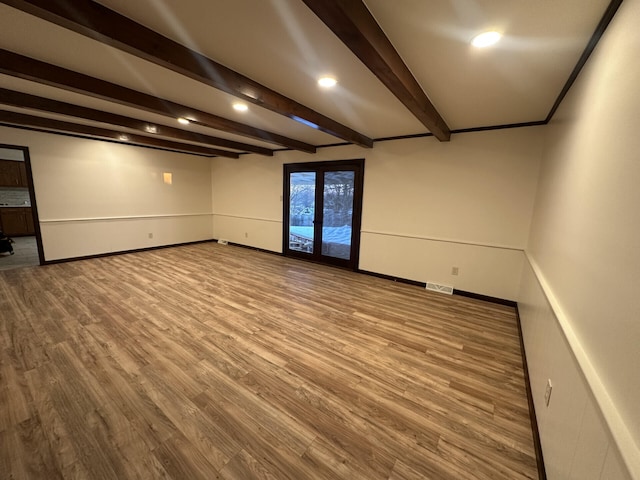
x,y
22,169
31,229
13,174
17,221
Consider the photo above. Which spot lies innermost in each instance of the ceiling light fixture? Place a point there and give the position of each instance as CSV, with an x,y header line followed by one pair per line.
x,y
240,107
124,138
183,121
327,82
151,129
486,39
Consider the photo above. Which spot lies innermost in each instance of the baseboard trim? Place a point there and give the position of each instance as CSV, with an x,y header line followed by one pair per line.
x,y
392,278
485,298
249,247
122,252
542,474
462,293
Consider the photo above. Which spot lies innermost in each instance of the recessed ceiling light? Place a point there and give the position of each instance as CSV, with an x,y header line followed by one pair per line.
x,y
124,138
240,107
151,129
486,39
184,121
327,82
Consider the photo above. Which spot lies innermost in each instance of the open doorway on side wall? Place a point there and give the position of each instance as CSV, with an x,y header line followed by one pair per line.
x,y
322,211
18,209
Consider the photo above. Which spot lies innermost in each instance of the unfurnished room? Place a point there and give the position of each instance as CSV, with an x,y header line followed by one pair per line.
x,y
319,239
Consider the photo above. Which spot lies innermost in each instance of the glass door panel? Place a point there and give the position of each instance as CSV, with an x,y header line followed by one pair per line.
x,y
337,213
322,205
302,203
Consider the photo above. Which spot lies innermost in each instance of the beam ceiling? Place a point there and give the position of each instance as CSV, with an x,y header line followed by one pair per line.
x,y
100,23
352,23
30,69
48,124
24,100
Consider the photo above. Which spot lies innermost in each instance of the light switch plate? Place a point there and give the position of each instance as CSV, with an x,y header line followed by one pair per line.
x,y
547,393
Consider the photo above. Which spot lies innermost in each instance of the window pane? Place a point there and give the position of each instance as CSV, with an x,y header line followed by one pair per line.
x,y
302,202
337,214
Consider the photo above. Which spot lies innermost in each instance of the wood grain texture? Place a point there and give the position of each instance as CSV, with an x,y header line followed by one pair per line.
x,y
112,134
111,28
25,100
217,362
353,23
34,70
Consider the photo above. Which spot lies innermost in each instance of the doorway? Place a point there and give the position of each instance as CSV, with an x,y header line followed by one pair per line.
x,y
323,211
18,210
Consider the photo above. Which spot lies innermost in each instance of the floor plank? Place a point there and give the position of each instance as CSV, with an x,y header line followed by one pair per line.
x,y
211,361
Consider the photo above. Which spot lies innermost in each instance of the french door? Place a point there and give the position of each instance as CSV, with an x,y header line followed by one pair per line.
x,y
322,211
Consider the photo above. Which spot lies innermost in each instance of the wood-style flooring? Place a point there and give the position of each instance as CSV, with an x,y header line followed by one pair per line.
x,y
218,362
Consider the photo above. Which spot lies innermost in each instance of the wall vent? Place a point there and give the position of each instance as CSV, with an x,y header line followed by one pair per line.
x,y
223,242
436,287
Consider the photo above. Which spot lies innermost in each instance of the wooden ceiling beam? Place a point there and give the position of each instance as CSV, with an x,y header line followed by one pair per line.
x,y
96,21
51,125
352,23
27,68
24,100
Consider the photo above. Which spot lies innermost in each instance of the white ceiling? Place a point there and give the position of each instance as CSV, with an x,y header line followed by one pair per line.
x,y
284,46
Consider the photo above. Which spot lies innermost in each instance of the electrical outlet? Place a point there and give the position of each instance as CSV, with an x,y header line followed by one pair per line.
x,y
150,235
454,270
547,393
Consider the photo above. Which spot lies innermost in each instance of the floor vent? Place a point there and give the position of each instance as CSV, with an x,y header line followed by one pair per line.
x,y
223,242
435,287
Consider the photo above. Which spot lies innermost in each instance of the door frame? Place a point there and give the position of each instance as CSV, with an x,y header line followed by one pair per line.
x,y
32,197
356,165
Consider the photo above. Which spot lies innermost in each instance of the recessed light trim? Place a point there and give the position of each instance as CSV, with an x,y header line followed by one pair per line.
x,y
486,39
240,107
183,121
327,82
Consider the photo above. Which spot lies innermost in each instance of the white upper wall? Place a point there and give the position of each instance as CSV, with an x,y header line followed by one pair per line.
x,y
98,197
478,188
77,178
586,228
427,205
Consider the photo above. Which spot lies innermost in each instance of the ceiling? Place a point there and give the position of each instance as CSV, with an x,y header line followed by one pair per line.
x,y
404,68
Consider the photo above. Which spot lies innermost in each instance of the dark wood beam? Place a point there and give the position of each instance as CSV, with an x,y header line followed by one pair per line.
x,y
100,23
352,23
34,70
51,125
608,15
24,100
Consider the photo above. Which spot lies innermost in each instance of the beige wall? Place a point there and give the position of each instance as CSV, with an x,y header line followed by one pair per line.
x,y
427,206
98,197
576,440
585,259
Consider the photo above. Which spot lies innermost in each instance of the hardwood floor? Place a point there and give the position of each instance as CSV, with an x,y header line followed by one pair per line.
x,y
217,362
